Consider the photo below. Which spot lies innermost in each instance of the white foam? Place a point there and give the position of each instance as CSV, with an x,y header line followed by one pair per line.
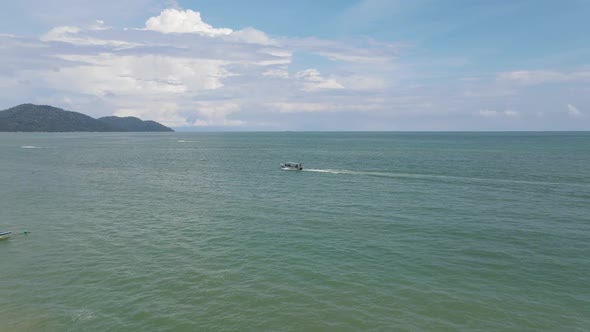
x,y
431,176
30,147
345,171
332,171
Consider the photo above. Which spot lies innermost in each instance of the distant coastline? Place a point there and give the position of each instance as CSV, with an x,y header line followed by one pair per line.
x,y
45,118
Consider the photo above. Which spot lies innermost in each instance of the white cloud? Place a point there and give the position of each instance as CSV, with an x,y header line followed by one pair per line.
x,y
494,114
165,78
373,53
527,77
203,75
174,20
534,77
198,114
98,25
299,107
278,52
58,33
324,107
277,72
360,58
217,114
183,21
488,113
510,113
138,76
252,36
314,81
573,111
363,82
163,112
71,35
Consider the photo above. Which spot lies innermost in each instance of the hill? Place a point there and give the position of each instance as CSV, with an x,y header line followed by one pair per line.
x,y
44,118
131,123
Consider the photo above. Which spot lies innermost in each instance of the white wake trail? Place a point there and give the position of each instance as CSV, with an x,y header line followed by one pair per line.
x,y
438,177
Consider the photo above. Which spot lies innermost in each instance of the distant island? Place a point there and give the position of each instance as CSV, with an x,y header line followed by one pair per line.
x,y
44,118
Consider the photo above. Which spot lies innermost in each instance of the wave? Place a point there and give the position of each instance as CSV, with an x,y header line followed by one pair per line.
x,y
82,315
183,141
433,177
30,147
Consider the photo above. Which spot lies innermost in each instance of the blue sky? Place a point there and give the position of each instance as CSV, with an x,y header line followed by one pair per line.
x,y
304,65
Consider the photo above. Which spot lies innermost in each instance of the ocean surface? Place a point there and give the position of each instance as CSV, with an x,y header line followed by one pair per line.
x,y
380,232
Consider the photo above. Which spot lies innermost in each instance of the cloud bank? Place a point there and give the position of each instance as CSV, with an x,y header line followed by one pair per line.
x,y
186,73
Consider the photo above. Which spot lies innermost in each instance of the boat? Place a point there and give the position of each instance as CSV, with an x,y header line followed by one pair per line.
x,y
4,235
291,166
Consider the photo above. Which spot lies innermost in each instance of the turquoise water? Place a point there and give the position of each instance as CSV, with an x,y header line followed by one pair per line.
x,y
380,232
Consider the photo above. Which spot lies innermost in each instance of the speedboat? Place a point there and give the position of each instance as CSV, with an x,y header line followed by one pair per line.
x,y
291,166
4,235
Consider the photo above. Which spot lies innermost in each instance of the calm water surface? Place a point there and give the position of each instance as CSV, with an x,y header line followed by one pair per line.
x,y
380,232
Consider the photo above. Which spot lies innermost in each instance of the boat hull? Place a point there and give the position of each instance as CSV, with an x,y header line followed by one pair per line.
x,y
5,235
291,167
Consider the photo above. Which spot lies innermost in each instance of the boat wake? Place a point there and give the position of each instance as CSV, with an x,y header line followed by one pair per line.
x,y
433,177
381,174
333,171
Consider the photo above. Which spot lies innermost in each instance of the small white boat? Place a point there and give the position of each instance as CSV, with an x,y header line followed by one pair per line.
x,y
4,235
291,166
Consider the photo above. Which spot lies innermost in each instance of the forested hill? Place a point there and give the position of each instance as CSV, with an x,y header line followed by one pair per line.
x,y
44,118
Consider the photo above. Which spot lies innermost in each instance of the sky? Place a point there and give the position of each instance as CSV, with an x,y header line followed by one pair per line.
x,y
333,65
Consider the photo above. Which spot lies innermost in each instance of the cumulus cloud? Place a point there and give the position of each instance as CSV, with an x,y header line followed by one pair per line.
x,y
174,20
183,21
573,111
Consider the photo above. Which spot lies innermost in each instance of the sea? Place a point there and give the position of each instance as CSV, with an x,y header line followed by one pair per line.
x,y
381,231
